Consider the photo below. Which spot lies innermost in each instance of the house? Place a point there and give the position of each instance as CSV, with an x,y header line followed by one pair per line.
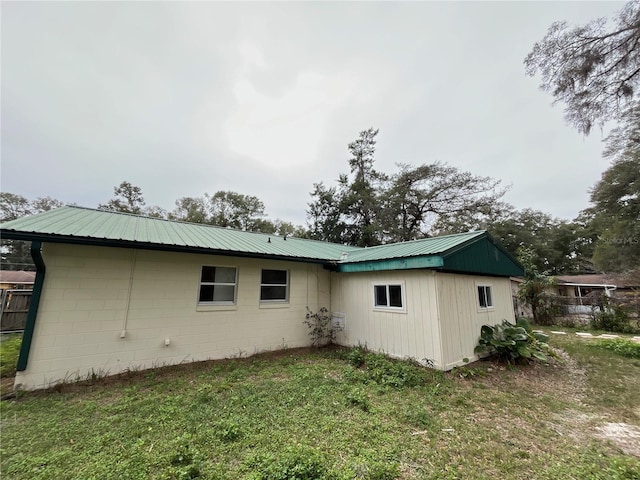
x,y
581,293
117,292
16,279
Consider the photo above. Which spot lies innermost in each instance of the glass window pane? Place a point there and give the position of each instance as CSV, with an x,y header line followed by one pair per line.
x,y
489,300
225,275
208,274
277,277
273,293
223,293
481,298
380,292
206,293
395,296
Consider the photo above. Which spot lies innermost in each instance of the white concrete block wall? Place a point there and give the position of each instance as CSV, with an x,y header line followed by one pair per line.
x,y
84,305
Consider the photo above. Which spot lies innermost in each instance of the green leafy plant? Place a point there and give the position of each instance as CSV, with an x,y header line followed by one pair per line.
x,y
228,430
186,462
370,367
622,346
294,463
356,356
613,318
358,398
513,343
534,291
322,329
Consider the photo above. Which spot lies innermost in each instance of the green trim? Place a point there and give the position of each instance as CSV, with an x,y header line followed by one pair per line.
x,y
431,261
27,336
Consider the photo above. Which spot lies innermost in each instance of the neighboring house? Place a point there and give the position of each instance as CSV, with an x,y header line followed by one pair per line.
x,y
585,286
16,279
117,292
582,292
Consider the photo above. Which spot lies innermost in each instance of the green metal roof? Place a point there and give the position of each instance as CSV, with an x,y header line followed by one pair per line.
x,y
413,248
98,227
473,252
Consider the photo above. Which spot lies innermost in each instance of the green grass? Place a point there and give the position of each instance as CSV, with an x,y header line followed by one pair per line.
x,y
330,414
612,379
9,350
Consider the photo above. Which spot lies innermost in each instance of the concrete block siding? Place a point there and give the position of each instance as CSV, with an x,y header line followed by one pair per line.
x,y
92,293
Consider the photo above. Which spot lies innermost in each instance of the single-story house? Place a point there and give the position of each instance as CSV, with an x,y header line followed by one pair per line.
x,y
117,292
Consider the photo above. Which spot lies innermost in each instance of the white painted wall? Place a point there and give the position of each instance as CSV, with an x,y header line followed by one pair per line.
x,y
461,316
413,332
83,309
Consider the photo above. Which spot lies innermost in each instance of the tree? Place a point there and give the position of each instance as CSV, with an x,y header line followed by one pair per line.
x,y
616,199
13,206
127,199
433,198
324,215
44,204
593,69
191,209
16,254
369,207
534,291
557,247
359,203
154,211
235,210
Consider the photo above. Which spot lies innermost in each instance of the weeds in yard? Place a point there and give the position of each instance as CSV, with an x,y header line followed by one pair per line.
x,y
327,414
9,352
622,346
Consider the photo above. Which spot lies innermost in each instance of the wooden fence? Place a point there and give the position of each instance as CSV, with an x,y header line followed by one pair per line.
x,y
14,309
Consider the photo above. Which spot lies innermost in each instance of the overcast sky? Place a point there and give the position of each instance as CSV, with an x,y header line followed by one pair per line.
x,y
263,98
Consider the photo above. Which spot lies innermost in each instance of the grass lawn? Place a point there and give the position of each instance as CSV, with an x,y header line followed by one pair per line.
x,y
334,414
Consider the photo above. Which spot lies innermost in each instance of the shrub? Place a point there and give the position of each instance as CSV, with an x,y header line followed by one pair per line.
x,y
614,318
322,329
356,357
513,343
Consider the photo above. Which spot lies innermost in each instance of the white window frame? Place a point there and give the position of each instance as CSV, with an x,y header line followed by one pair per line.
x,y
286,285
488,300
388,308
228,284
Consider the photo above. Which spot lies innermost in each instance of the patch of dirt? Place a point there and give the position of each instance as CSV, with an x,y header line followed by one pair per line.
x,y
6,386
624,436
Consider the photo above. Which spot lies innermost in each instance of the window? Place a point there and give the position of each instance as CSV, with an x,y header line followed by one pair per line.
x,y
218,285
274,286
484,296
387,296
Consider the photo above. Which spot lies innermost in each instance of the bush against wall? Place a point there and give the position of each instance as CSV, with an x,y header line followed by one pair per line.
x,y
513,343
322,329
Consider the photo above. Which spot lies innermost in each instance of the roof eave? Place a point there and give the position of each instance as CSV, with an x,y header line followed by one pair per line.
x,y
98,242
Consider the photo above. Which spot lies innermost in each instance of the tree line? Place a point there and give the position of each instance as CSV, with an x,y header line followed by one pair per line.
x,y
367,207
